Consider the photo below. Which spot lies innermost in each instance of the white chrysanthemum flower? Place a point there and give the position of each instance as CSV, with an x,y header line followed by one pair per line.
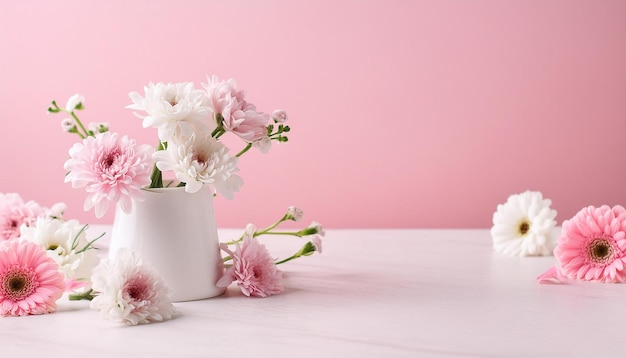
x,y
173,108
66,243
130,291
523,226
200,160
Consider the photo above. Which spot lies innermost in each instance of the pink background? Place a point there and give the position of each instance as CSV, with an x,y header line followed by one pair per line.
x,y
404,113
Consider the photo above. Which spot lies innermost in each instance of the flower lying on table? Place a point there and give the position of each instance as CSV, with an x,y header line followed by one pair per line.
x,y
37,233
592,247
30,282
523,226
253,269
54,254
130,291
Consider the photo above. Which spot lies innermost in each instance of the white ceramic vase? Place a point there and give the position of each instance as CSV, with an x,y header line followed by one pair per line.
x,y
175,232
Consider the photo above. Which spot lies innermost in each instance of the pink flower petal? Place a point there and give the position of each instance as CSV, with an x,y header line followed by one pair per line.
x,y
552,276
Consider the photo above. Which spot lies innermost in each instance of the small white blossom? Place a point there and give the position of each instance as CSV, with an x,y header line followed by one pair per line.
x,y
318,228
75,102
317,242
68,125
98,127
294,213
279,116
57,210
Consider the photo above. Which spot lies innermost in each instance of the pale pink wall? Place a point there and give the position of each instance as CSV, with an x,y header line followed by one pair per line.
x,y
404,113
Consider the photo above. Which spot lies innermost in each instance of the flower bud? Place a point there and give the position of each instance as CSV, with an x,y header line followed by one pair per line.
x,y
75,102
308,249
279,116
314,228
294,213
98,127
68,125
318,228
250,230
316,240
57,210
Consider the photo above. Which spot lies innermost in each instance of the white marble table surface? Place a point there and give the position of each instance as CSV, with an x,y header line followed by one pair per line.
x,y
371,293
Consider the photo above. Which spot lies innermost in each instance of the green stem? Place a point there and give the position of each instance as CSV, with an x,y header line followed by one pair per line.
x,y
217,131
88,295
267,229
235,241
294,256
289,233
247,148
156,178
80,125
259,233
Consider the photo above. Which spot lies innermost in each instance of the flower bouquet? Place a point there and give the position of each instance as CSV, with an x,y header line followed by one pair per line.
x,y
42,254
190,122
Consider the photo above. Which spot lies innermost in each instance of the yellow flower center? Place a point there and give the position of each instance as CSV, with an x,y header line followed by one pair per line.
x,y
523,228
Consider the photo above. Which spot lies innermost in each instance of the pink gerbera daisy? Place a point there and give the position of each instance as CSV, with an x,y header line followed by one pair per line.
x,y
253,270
14,212
111,168
592,245
30,281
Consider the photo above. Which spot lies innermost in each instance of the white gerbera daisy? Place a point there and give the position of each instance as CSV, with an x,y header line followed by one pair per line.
x,y
66,243
173,108
523,226
201,160
130,291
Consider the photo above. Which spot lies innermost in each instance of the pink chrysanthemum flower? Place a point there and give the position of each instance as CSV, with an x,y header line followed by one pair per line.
x,y
592,245
30,281
239,116
111,168
14,212
253,270
130,291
